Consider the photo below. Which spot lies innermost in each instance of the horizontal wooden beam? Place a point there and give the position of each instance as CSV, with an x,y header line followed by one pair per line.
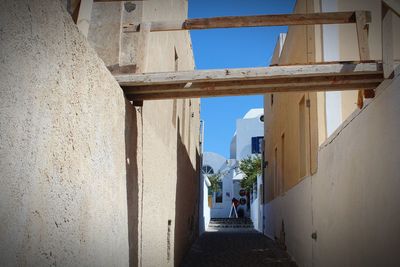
x,y
209,83
309,70
251,21
241,92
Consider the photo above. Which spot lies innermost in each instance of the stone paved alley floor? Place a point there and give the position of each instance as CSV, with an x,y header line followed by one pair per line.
x,y
236,249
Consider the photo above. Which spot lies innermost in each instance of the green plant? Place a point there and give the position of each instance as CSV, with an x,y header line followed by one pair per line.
x,y
251,167
215,180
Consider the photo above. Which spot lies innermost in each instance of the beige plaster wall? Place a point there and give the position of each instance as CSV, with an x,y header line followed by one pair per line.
x,y
63,194
282,118
168,134
170,149
352,201
302,45
294,210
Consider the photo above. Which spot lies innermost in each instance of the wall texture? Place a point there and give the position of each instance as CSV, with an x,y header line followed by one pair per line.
x,y
171,131
352,201
167,132
63,196
291,134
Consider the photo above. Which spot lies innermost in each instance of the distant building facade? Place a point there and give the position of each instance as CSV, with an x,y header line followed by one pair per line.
x,y
246,141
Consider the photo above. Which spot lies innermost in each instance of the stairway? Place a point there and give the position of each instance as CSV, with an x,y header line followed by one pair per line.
x,y
230,224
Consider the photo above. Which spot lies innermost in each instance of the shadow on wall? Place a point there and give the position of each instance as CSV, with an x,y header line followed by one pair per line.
x,y
131,141
186,203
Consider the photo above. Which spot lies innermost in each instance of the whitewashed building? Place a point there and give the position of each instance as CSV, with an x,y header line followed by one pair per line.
x,y
245,141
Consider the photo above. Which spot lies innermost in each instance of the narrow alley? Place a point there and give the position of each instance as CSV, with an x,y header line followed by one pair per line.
x,y
236,249
113,153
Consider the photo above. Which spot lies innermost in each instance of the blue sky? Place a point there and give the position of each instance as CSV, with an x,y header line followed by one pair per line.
x,y
232,48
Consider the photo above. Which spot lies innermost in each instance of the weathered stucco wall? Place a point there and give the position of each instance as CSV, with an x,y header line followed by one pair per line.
x,y
171,131
168,132
63,196
291,128
352,201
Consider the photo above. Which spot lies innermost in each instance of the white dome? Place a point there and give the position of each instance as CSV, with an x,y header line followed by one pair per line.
x,y
254,113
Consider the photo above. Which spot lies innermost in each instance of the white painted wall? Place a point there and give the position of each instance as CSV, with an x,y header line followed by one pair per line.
x,y
220,164
256,208
246,128
353,201
204,212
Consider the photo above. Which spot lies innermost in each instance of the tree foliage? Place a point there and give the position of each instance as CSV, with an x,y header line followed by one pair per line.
x,y
251,167
215,180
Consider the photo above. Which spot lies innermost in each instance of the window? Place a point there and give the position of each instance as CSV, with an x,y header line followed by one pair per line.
x,y
218,194
262,118
207,169
256,144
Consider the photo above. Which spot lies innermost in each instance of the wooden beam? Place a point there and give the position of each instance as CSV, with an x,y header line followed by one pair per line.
x,y
210,92
252,21
143,47
363,47
362,35
208,83
333,81
309,70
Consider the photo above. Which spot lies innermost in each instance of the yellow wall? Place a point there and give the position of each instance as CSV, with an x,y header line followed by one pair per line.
x,y
290,140
304,44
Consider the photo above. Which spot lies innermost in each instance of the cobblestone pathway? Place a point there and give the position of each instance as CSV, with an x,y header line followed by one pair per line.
x,y
236,249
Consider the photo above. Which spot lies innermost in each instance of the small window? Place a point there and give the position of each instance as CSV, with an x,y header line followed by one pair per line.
x,y
207,169
256,144
218,194
262,118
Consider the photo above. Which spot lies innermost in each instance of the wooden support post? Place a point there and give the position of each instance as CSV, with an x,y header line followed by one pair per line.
x,y
387,41
85,12
128,43
143,47
362,37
